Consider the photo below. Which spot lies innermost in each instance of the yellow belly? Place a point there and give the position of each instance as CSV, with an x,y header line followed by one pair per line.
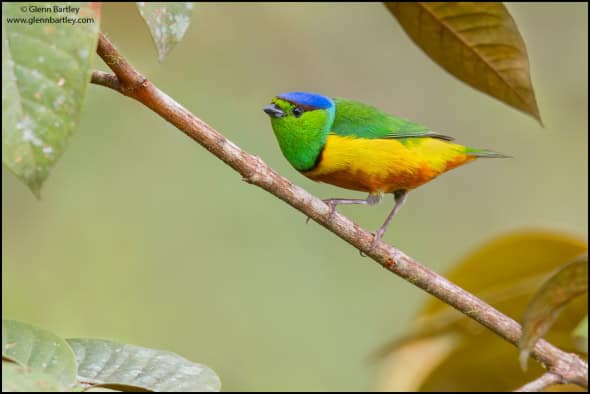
x,y
385,165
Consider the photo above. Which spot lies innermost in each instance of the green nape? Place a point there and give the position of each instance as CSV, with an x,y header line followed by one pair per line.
x,y
360,120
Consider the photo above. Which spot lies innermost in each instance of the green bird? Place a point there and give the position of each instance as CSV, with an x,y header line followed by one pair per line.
x,y
358,147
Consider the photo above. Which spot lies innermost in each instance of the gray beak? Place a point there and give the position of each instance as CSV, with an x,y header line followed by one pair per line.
x,y
273,111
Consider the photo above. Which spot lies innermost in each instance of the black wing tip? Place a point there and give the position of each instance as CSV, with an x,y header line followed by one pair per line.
x,y
440,136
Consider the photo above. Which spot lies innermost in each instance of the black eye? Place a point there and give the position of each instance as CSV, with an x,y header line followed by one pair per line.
x,y
297,112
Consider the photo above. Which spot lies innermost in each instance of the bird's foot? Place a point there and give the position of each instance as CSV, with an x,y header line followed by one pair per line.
x,y
377,235
331,203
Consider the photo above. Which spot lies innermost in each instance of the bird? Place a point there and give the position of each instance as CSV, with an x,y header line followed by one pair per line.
x,y
356,146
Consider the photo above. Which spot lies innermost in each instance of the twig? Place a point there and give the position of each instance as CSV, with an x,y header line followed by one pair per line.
x,y
541,383
107,80
568,366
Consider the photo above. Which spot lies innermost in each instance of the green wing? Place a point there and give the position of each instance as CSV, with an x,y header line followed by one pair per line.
x,y
363,121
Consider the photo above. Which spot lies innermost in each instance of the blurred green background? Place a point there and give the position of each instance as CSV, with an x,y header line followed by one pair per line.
x,y
144,237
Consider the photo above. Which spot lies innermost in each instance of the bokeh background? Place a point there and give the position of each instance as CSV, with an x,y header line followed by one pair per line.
x,y
141,236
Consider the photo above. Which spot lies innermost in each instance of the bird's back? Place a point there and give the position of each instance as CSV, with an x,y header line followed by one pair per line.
x,y
370,150
360,120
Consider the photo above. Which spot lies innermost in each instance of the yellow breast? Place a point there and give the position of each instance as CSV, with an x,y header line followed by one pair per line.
x,y
385,165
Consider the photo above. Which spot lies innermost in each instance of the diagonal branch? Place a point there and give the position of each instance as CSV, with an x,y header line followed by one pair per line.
x,y
568,366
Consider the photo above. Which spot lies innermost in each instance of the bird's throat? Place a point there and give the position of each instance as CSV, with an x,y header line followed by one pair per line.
x,y
302,148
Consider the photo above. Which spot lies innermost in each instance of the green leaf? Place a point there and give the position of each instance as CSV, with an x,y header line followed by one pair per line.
x,y
581,334
46,67
115,365
167,23
479,43
567,283
16,378
39,350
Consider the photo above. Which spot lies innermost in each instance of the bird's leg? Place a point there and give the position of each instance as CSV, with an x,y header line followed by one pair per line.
x,y
372,199
400,197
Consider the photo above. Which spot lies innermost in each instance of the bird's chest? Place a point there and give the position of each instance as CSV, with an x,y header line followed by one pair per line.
x,y
369,165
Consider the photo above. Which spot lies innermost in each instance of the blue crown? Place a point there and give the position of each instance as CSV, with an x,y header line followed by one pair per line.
x,y
310,99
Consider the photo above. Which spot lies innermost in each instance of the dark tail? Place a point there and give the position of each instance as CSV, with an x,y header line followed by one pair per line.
x,y
486,153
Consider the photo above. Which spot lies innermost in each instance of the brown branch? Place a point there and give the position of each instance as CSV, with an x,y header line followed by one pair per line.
x,y
126,74
568,366
541,383
107,80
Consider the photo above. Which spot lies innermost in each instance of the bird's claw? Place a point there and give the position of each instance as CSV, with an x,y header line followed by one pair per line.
x,y
376,238
332,206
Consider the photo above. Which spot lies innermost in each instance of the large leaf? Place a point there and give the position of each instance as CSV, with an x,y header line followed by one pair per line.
x,y
115,365
567,283
46,68
16,378
39,350
412,362
167,23
478,43
476,363
506,272
462,354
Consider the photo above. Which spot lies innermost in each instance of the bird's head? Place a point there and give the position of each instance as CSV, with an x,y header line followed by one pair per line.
x,y
301,122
